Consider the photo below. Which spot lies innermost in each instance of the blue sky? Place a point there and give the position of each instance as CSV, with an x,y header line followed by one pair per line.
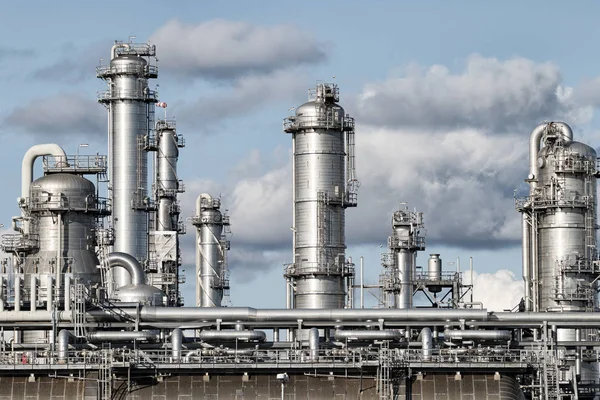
x,y
444,93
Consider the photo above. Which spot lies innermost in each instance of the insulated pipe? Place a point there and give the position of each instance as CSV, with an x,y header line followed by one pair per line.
x,y
113,50
33,292
477,335
176,344
123,260
232,335
49,292
121,336
386,334
17,293
313,343
565,130
426,343
534,149
67,292
31,155
194,314
63,345
29,158
526,261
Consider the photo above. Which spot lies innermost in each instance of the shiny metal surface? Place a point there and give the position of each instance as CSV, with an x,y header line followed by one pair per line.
x,y
470,334
434,267
176,344
167,181
559,222
320,197
211,248
130,264
426,343
138,291
563,239
259,336
386,334
313,343
403,244
122,336
63,209
130,105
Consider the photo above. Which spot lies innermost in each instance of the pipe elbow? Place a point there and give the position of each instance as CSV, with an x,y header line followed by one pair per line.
x,y
123,260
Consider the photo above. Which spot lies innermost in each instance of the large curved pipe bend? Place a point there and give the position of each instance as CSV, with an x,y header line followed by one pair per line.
x,y
124,260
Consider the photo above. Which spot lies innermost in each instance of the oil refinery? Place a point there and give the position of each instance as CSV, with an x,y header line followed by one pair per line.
x,y
91,304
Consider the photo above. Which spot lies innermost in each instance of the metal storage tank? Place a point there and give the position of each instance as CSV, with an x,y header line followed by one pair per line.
x,y
434,267
324,185
64,210
130,105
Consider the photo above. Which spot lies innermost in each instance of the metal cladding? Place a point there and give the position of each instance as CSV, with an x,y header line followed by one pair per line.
x,y
100,337
401,262
324,185
559,222
63,210
212,275
130,105
164,250
167,183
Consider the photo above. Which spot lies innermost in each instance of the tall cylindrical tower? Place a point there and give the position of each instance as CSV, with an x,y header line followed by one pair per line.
x,y
164,252
560,260
324,185
404,243
212,276
167,181
130,105
559,222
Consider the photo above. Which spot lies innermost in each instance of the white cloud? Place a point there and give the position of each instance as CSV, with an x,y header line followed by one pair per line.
x,y
227,49
498,291
497,96
246,94
462,180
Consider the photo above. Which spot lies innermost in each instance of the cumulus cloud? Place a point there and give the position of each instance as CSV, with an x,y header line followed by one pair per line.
x,y
460,172
497,291
497,96
227,49
64,115
245,95
462,180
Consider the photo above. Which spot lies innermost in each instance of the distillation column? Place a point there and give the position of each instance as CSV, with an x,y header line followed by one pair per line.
x,y
560,265
164,237
324,185
130,105
403,244
212,275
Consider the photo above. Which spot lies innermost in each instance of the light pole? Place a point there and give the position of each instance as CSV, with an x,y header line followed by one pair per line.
x,y
283,378
77,155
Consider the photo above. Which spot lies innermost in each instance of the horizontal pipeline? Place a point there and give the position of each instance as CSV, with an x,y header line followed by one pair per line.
x,y
386,334
193,314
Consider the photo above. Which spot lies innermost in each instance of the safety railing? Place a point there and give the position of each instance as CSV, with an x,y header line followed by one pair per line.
x,y
144,70
12,242
290,358
146,95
